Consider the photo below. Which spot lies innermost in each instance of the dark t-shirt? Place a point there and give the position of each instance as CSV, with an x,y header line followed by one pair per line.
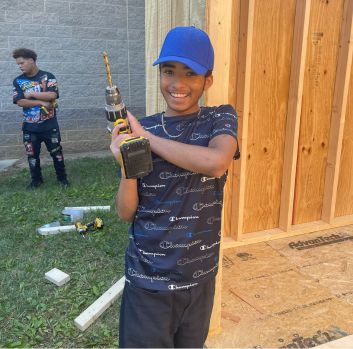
x,y
175,236
35,119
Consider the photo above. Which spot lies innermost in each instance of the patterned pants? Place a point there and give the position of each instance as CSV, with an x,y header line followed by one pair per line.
x,y
32,142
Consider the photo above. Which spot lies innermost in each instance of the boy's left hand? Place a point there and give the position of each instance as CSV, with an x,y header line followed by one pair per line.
x,y
116,140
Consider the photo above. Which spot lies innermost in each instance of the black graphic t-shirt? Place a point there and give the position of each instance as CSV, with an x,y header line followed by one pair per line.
x,y
175,236
36,119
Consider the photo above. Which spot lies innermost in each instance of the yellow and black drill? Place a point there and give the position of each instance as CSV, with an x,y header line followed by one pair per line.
x,y
135,151
83,228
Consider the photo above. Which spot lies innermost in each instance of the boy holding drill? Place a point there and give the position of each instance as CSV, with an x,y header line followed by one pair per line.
x,y
175,211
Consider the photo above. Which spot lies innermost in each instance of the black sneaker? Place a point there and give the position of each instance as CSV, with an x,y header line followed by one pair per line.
x,y
34,184
64,182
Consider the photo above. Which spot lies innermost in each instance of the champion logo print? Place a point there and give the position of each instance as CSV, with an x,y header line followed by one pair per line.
x,y
154,226
186,218
198,206
169,244
183,190
173,287
201,272
206,247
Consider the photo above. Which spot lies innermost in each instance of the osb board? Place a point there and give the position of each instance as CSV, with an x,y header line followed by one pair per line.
x,y
290,293
270,74
344,202
319,81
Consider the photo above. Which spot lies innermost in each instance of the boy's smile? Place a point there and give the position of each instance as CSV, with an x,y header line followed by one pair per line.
x,y
182,88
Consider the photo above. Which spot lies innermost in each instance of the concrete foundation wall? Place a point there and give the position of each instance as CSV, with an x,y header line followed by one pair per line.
x,y
69,38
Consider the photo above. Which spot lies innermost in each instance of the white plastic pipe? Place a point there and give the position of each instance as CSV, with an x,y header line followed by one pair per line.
x,y
89,208
56,230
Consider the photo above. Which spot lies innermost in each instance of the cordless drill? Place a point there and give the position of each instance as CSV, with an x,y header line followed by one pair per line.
x,y
83,228
135,151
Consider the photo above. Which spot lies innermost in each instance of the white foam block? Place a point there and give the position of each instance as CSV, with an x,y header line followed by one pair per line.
x,y
96,309
57,277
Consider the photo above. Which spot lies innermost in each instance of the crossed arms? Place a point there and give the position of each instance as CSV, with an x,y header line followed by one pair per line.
x,y
33,99
212,161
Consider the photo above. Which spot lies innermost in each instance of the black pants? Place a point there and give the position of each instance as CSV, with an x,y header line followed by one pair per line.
x,y
165,319
32,142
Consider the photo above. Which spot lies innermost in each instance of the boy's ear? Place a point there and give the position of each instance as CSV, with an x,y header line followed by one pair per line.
x,y
208,82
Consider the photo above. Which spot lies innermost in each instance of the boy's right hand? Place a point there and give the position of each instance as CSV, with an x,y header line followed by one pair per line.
x,y
116,141
48,105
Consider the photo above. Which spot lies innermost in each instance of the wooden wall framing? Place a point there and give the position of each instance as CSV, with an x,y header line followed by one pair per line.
x,y
286,66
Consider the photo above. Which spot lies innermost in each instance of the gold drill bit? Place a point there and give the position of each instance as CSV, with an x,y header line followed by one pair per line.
x,y
107,68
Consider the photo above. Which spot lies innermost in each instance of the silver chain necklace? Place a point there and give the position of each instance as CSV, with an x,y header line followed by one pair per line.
x,y
175,136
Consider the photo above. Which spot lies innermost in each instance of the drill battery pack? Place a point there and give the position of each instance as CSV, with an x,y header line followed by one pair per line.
x,y
136,155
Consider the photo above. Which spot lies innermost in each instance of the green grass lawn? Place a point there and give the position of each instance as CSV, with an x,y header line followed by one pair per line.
x,y
33,311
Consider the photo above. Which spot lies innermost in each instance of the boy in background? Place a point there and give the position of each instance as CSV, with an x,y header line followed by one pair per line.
x,y
36,92
175,211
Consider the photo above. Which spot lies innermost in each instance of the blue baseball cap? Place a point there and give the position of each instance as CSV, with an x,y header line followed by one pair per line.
x,y
190,46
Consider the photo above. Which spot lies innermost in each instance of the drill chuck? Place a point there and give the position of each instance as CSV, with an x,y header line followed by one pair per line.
x,y
115,109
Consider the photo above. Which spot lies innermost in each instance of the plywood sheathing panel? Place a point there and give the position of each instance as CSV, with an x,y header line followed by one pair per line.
x,y
250,262
319,80
294,292
336,275
309,249
344,204
310,140
326,256
303,328
270,73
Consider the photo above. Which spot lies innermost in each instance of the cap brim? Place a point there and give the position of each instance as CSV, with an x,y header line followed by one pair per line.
x,y
197,68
